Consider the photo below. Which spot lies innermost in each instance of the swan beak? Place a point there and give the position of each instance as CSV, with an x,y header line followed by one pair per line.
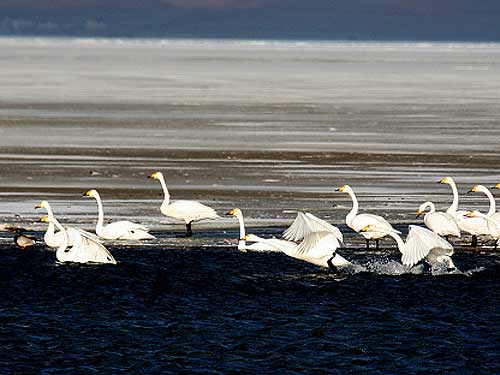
x,y
340,188
470,214
365,229
44,219
443,181
86,194
244,238
497,186
152,176
418,214
473,190
39,205
230,212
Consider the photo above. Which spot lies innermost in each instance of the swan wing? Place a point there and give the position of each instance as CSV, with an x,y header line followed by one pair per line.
x,y
318,242
94,251
442,223
420,242
362,220
189,211
307,223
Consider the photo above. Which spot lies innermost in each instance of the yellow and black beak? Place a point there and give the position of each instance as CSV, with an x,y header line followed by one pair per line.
x,y
365,229
231,212
86,194
152,175
419,213
39,205
472,190
470,214
244,238
340,188
497,186
442,181
43,219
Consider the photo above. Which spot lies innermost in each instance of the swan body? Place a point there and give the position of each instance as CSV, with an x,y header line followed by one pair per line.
x,y
421,244
493,224
306,223
441,223
84,249
185,210
55,239
318,248
475,226
242,245
357,221
119,230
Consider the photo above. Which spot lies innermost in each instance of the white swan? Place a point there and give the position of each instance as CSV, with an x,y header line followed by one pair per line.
x,y
357,221
53,239
493,225
84,250
421,244
441,223
185,210
242,245
306,223
475,226
492,210
120,230
318,248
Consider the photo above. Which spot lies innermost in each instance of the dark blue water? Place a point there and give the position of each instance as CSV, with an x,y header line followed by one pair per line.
x,y
220,311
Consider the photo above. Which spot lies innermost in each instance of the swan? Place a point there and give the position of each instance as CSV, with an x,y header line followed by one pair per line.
x,y
185,210
421,244
492,210
242,245
53,239
475,226
493,225
357,221
306,223
84,249
119,230
318,248
441,223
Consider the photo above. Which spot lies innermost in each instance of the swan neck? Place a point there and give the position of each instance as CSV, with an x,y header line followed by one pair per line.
x,y
100,214
399,241
454,205
166,199
354,211
492,209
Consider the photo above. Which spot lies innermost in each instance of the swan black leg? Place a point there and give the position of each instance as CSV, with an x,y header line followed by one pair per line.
x,y
367,244
189,232
376,243
330,264
474,241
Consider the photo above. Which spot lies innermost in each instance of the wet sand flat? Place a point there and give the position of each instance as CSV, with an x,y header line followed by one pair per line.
x,y
270,128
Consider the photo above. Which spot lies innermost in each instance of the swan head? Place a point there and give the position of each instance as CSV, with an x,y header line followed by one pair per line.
x,y
470,214
478,188
367,228
44,219
43,204
497,186
235,212
91,193
251,238
423,207
446,180
343,188
155,175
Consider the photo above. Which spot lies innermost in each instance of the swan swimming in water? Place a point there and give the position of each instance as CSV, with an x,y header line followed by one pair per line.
x,y
119,230
242,245
421,244
357,221
84,249
53,239
188,211
318,248
441,223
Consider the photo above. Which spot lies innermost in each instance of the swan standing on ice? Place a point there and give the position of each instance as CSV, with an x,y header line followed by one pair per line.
x,y
357,221
120,230
53,239
441,223
242,245
84,249
475,226
318,248
185,210
421,244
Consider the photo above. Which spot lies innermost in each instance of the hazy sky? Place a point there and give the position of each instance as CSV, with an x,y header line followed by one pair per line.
x,y
323,19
